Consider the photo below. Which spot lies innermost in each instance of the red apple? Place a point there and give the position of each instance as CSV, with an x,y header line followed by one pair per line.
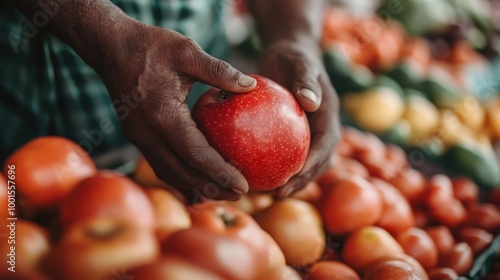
x,y
264,133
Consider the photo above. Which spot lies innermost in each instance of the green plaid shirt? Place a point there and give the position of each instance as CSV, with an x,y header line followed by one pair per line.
x,y
47,89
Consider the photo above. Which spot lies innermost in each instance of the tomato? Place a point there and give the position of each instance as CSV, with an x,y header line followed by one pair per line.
x,y
442,273
275,255
218,252
279,273
311,192
32,245
170,267
478,239
421,217
459,258
400,267
332,270
396,214
485,216
350,204
253,202
366,245
450,214
97,248
45,169
396,156
410,182
342,168
442,237
108,195
439,191
352,166
291,222
465,190
4,199
171,215
419,245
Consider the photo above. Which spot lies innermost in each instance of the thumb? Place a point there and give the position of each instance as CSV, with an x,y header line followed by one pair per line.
x,y
306,87
222,75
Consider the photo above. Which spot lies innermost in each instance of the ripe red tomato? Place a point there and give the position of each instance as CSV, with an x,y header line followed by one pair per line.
x,y
351,204
310,193
332,270
442,237
98,248
264,133
279,273
478,239
46,169
459,258
396,156
171,267
449,214
485,216
438,192
396,214
400,267
465,190
419,245
420,216
31,245
108,195
442,273
368,244
410,182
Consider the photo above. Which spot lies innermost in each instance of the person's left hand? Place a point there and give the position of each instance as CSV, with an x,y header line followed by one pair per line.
x,y
298,66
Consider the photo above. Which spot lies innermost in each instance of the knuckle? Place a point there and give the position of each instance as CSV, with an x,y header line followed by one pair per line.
x,y
197,158
220,69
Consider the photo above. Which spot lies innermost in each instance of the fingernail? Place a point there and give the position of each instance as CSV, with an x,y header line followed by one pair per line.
x,y
309,94
245,81
237,191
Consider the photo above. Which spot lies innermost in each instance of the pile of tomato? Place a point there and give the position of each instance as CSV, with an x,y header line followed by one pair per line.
x,y
370,216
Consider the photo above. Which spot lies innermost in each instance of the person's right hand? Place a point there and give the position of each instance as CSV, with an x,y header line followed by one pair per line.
x,y
150,71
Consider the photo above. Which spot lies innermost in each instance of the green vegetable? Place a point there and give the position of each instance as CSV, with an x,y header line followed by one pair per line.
x,y
438,93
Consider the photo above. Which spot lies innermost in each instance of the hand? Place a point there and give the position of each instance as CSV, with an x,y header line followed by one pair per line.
x,y
153,69
298,66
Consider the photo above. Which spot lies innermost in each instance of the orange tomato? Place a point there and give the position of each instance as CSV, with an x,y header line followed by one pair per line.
x,y
311,192
465,190
410,182
459,258
332,270
46,169
478,239
108,195
419,245
451,214
350,204
442,273
400,267
396,214
439,191
485,216
368,244
442,237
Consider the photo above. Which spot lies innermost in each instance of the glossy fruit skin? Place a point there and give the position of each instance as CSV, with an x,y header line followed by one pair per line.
x,y
264,133
478,239
332,270
368,244
465,190
485,216
97,248
47,169
32,245
442,237
350,204
442,273
397,213
170,267
460,258
291,222
397,267
418,244
108,195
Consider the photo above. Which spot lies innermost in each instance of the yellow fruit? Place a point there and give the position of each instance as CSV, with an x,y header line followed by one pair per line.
x,y
493,118
451,131
378,109
470,113
422,116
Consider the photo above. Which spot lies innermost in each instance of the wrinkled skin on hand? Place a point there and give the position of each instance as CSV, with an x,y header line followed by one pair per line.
x,y
154,69
297,65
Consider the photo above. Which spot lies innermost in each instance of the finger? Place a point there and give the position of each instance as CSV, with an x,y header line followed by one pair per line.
x,y
306,87
189,181
219,74
192,147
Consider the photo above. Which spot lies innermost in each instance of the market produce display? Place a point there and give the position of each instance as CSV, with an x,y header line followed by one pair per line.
x,y
370,216
378,213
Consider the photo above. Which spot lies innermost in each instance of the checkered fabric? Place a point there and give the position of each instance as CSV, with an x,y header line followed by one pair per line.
x,y
47,89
